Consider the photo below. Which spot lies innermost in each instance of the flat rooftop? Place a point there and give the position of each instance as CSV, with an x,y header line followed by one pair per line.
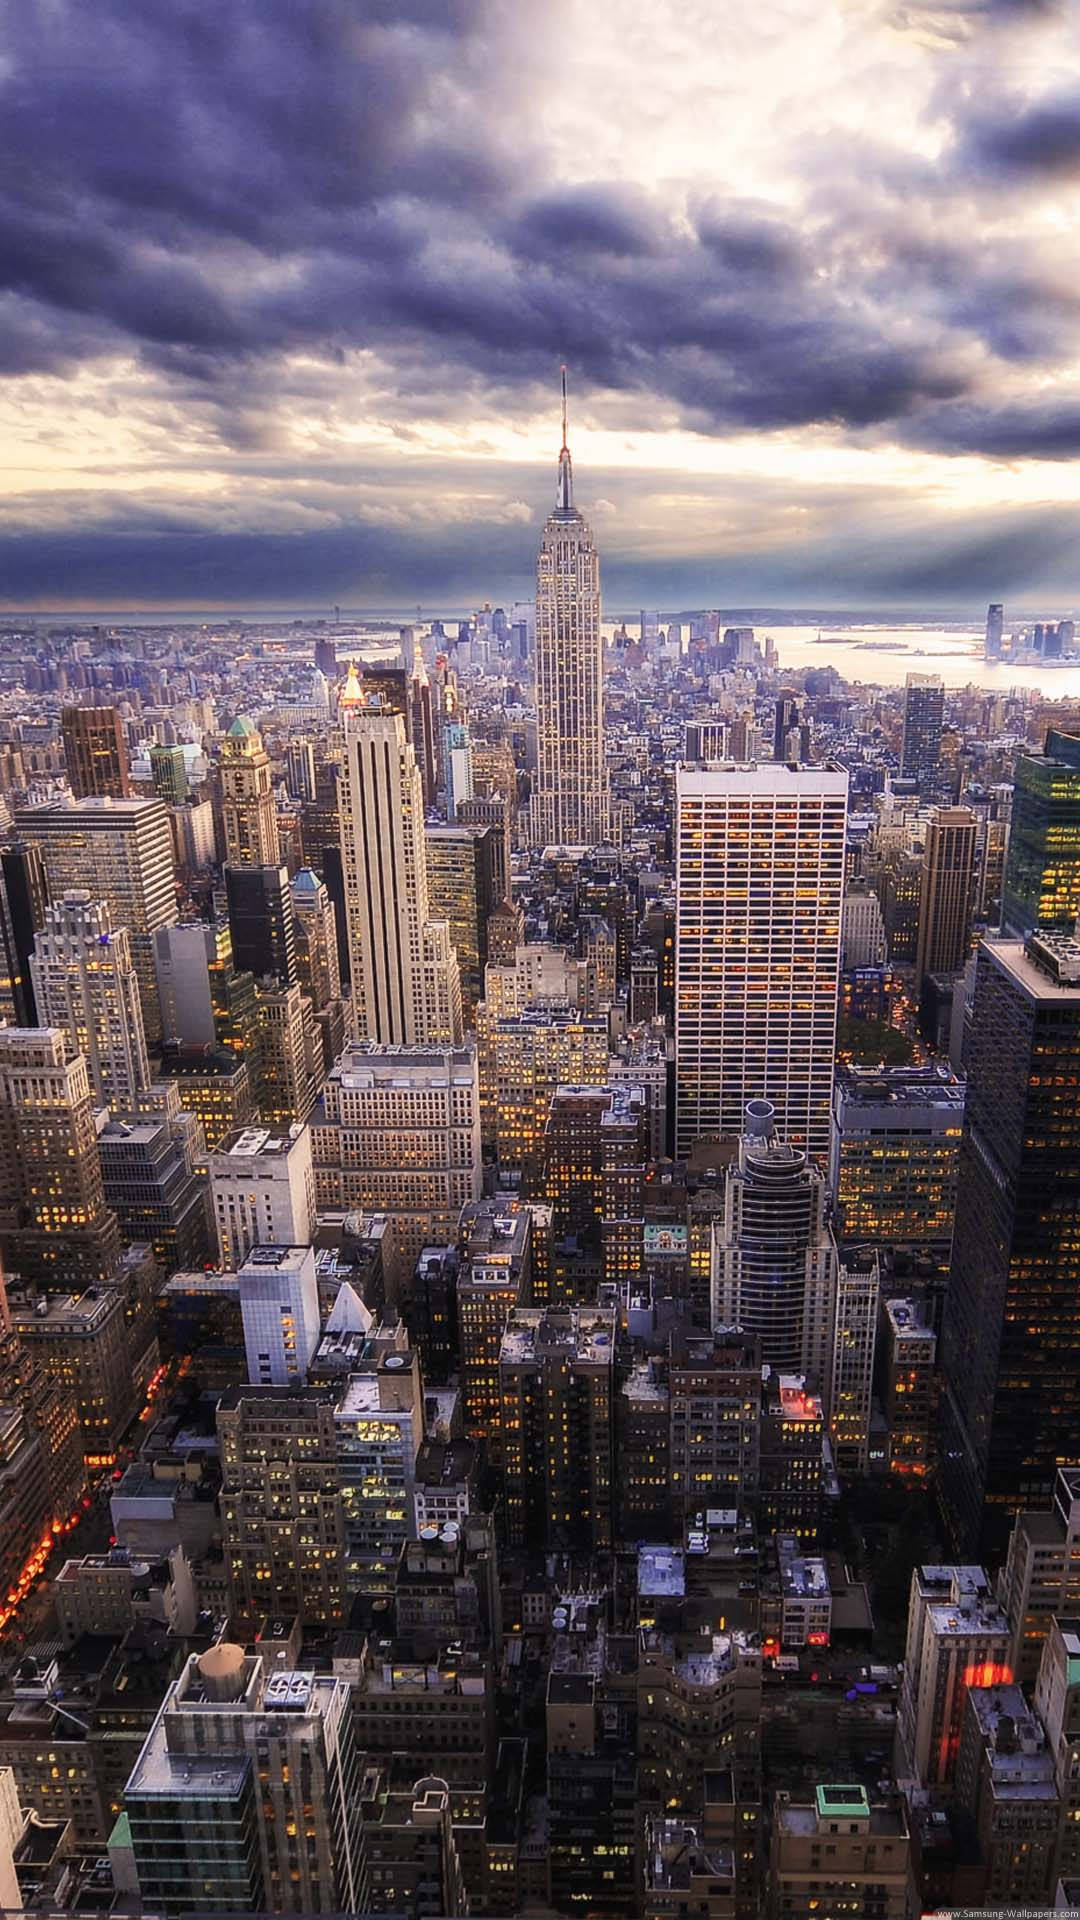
x,y
583,1333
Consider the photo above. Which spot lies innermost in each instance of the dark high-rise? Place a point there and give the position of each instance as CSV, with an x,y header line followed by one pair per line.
x,y
24,896
94,753
1010,1346
1042,870
786,717
924,713
261,922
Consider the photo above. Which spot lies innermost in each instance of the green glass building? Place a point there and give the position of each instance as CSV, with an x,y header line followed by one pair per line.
x,y
1042,872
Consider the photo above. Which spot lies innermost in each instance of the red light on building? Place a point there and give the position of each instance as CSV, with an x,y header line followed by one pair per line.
x,y
770,1649
817,1639
988,1674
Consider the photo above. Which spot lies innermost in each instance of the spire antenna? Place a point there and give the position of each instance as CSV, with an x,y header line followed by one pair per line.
x,y
564,407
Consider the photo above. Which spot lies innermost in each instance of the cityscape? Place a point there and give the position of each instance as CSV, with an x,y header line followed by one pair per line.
x,y
539,960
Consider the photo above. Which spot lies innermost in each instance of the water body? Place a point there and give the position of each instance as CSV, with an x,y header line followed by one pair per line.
x,y
873,654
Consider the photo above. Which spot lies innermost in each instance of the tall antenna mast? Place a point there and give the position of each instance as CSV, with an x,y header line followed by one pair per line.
x,y
564,406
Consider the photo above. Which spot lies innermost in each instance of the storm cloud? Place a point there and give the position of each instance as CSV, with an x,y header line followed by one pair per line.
x,y
234,241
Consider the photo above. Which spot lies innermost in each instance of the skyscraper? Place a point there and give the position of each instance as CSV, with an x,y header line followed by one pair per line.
x,y
405,980
995,620
924,710
121,852
1042,869
570,796
1010,1346
246,1795
24,896
85,982
948,884
774,1256
248,810
53,1217
94,753
555,1371
261,922
279,1306
760,877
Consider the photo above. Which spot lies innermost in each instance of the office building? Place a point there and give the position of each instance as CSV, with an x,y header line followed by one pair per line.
x,y
714,1394
995,622
774,1256
863,928
317,969
396,1130
94,753
1042,867
279,1306
289,1061
947,898
644,1485
792,1433
300,767
895,1154
148,1167
924,711
410,1849
168,776
405,978
282,1522
379,1430
262,1192
524,1057
760,875
697,1711
1005,1785
556,1383
214,1086
462,891
494,1277
24,898
595,1156
120,851
570,792
957,1637
785,723
1041,1575
1057,1703
840,1852
54,1223
191,828
592,1774
492,812
457,766
108,1593
851,1359
261,922
85,984
909,1388
248,808
1010,1345
243,1763
81,1341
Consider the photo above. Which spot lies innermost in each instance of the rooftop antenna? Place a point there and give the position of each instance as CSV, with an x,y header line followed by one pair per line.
x,y
564,499
564,406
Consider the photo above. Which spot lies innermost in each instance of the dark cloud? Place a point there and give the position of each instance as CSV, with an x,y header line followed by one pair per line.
x,y
244,199
1041,140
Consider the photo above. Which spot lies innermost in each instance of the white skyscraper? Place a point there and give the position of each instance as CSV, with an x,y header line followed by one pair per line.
x,y
85,982
570,796
279,1305
406,988
760,879
262,1186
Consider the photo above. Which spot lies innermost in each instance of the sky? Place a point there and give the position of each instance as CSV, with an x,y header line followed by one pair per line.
x,y
285,289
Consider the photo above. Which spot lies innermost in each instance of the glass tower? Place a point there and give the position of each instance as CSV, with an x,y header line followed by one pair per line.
x,y
1010,1345
1042,872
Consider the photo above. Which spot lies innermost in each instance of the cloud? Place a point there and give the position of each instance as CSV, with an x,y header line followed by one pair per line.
x,y
247,239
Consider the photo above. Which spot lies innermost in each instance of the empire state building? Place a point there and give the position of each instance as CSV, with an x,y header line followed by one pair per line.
x,y
570,799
